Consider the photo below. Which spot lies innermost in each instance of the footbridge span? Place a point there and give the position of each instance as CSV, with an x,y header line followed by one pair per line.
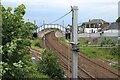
x,y
51,26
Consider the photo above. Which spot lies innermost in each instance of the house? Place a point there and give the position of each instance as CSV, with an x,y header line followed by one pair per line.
x,y
94,25
114,27
113,31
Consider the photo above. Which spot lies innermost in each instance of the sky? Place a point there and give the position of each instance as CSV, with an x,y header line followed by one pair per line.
x,y
50,10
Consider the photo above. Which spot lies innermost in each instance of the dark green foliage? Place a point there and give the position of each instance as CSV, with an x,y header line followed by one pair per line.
x,y
16,36
115,51
15,49
116,67
14,25
36,42
107,42
118,20
49,66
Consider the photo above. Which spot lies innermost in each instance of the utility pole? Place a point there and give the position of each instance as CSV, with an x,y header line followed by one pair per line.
x,y
74,42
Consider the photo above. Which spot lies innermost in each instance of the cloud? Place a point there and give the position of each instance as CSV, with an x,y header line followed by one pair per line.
x,y
52,9
62,4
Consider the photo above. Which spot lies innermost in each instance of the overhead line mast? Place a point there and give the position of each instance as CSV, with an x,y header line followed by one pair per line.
x,y
75,42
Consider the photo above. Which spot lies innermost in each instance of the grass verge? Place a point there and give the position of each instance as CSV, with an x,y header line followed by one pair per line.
x,y
101,53
62,40
36,45
95,52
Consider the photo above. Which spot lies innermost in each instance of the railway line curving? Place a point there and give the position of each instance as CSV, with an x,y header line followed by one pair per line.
x,y
87,68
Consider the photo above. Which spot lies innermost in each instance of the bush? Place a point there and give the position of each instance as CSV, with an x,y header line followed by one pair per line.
x,y
36,42
107,42
49,66
115,51
118,20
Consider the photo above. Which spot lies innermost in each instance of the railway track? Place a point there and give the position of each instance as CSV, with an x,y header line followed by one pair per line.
x,y
63,59
52,43
115,73
98,65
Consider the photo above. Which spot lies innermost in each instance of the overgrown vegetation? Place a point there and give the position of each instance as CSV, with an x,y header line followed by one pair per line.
x,y
107,42
15,49
16,35
49,66
97,52
116,67
111,53
36,44
62,40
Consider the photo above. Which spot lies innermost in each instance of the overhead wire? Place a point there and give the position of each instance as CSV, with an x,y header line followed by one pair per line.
x,y
60,17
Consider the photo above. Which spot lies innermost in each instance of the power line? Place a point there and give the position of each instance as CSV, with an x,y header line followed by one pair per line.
x,y
60,17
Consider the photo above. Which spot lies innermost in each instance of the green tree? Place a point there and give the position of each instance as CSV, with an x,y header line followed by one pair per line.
x,y
118,20
14,25
0,24
16,35
49,66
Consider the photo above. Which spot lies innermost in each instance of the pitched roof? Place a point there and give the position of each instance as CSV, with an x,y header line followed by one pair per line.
x,y
95,21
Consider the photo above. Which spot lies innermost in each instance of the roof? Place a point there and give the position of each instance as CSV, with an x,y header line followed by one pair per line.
x,y
105,26
95,21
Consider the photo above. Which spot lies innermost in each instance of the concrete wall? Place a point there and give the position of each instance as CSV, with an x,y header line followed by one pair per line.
x,y
108,33
89,30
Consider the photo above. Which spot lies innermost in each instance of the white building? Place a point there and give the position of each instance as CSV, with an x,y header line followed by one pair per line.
x,y
113,30
93,26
